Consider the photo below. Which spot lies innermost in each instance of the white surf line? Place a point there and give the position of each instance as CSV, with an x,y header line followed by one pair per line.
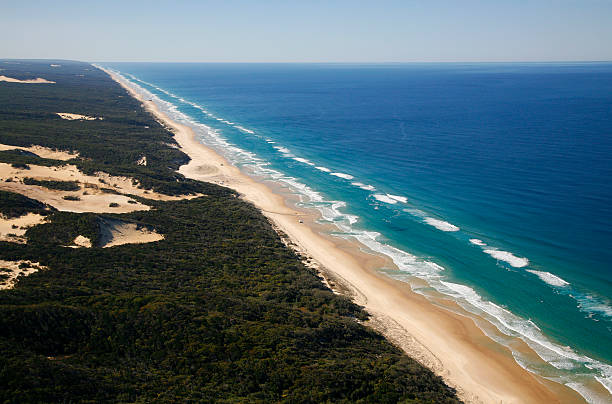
x,y
586,302
195,105
286,152
549,278
363,186
343,175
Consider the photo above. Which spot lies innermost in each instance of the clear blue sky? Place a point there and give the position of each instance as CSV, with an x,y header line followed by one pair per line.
x,y
307,31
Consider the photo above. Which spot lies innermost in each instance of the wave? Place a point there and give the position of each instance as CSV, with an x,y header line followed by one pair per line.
x,y
437,223
477,242
363,186
560,357
305,161
343,175
283,150
385,198
243,129
398,198
508,257
324,169
549,278
441,224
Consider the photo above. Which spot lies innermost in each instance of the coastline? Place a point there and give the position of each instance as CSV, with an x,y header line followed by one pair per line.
x,y
450,344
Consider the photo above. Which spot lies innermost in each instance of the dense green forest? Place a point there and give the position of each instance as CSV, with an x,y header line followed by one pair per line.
x,y
218,311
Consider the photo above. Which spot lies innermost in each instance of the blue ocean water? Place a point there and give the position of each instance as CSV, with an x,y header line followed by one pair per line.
x,y
490,181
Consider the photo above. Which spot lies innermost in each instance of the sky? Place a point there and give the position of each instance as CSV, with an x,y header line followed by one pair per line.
x,y
307,31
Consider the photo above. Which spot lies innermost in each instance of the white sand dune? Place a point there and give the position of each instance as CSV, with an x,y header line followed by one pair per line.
x,y
81,241
94,195
13,229
43,152
38,80
116,232
77,117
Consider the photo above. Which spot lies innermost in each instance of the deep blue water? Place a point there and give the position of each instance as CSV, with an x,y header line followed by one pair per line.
x,y
517,156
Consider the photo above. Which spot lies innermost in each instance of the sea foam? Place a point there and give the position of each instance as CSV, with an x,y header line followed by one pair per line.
x,y
508,257
441,224
398,198
283,150
243,129
385,198
343,175
549,278
477,242
363,186
305,161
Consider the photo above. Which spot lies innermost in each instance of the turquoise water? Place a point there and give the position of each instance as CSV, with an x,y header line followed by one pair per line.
x,y
490,181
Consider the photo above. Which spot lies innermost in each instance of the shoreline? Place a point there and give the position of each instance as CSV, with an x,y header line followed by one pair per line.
x,y
450,344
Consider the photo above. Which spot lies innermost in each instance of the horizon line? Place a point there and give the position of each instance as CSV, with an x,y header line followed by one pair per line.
x,y
320,62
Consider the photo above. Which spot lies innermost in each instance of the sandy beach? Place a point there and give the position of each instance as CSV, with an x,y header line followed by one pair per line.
x,y
451,344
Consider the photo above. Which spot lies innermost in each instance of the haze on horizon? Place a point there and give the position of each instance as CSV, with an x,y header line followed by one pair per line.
x,y
309,31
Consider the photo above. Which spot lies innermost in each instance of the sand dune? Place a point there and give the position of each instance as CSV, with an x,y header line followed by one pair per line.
x,y
10,270
97,191
13,229
117,232
90,198
81,241
77,117
38,80
43,152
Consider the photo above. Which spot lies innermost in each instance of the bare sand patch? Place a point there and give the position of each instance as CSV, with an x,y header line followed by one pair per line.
x,y
38,80
44,152
90,198
13,229
116,232
78,117
11,270
81,241
101,193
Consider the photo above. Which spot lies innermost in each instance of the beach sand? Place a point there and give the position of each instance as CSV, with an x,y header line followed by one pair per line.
x,y
450,344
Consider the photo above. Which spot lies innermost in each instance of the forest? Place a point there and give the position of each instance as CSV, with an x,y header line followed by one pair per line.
x,y
220,310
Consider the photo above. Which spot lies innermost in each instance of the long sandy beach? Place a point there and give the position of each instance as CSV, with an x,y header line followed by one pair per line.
x,y
449,343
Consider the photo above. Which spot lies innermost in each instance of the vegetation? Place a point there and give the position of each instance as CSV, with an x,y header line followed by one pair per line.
x,y
59,185
21,159
218,311
15,205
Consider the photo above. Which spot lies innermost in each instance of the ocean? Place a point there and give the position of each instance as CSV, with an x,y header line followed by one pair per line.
x,y
491,182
